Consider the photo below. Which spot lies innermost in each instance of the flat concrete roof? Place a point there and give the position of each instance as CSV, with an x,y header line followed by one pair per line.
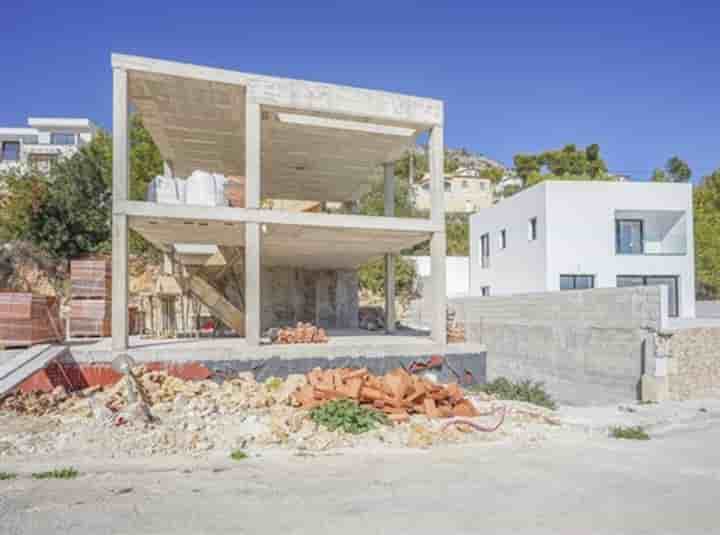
x,y
320,142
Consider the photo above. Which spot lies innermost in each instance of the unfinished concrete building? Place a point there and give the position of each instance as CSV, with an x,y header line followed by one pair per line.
x,y
288,140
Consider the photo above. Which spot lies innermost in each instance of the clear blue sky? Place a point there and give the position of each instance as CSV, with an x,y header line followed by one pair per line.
x,y
641,78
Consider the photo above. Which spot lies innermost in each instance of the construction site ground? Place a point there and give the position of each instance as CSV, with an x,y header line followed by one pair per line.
x,y
577,480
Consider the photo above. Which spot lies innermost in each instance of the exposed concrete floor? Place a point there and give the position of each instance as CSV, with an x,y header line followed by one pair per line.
x,y
342,343
581,483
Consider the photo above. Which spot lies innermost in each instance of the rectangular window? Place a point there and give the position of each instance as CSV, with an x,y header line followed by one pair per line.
x,y
485,250
532,229
629,236
61,138
671,281
577,282
485,291
448,187
503,239
10,151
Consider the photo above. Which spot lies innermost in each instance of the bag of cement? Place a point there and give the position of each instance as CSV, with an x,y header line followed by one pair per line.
x,y
166,190
205,189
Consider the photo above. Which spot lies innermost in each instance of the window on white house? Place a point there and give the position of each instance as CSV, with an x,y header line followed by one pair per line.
x,y
532,229
448,186
503,239
485,251
577,282
629,237
10,151
62,138
485,291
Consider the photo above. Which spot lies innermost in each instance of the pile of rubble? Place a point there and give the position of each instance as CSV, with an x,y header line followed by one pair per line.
x,y
178,417
302,333
397,393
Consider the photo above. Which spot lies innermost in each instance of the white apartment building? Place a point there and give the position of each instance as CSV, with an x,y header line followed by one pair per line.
x,y
563,235
465,192
43,142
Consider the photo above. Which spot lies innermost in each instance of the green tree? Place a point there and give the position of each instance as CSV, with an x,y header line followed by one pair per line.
x,y
706,200
678,170
568,163
659,176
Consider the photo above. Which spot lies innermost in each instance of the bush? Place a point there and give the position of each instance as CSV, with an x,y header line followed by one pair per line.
x,y
7,476
629,433
238,455
526,390
61,473
347,416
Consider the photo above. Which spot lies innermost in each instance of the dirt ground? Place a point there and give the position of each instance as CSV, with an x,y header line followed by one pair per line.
x,y
576,481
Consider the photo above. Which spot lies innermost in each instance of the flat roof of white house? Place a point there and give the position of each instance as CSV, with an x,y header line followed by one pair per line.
x,y
61,122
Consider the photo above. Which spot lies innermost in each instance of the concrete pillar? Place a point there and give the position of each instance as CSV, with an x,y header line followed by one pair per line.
x,y
389,169
121,189
167,169
253,232
438,241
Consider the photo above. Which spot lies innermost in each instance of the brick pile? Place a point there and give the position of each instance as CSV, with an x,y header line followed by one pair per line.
x,y
302,333
397,393
91,303
27,319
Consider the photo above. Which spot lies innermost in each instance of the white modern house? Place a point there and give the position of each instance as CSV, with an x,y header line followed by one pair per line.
x,y
564,235
43,141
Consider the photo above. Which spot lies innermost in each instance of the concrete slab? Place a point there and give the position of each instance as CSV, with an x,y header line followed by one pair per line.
x,y
21,365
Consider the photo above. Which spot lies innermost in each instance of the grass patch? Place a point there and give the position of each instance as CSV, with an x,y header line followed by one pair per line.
x,y
238,455
59,473
629,433
347,416
527,391
7,476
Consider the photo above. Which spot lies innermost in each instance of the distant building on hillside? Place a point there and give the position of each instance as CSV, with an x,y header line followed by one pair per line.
x,y
43,142
465,191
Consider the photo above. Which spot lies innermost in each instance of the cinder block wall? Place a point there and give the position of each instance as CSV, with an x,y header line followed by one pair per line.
x,y
327,298
587,346
693,364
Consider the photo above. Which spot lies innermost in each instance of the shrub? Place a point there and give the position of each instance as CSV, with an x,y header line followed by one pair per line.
x,y
528,391
629,433
6,476
238,455
59,473
347,416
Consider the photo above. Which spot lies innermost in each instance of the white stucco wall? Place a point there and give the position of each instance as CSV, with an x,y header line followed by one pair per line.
x,y
521,266
576,230
457,270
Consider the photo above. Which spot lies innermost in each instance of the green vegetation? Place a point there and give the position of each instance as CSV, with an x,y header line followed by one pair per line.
x,y
58,473
528,391
706,200
629,433
273,383
7,476
238,455
676,170
67,212
347,416
568,163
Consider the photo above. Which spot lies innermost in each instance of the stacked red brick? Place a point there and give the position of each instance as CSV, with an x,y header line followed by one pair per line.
x,y
302,333
27,319
397,393
91,290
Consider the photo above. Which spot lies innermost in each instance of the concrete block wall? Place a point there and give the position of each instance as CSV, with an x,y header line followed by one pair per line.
x,y
588,346
328,298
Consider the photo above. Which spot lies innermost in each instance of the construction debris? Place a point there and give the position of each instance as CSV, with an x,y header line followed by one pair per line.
x,y
174,416
398,393
302,333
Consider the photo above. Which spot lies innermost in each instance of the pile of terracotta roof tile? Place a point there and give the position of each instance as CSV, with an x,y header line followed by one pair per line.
x,y
397,393
302,333
27,319
91,304
455,334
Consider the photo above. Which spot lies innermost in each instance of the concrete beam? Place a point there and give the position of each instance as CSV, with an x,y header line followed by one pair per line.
x,y
120,279
300,94
389,171
438,240
227,214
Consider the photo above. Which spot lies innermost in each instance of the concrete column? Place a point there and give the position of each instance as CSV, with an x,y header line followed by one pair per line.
x,y
121,189
390,319
253,232
167,169
438,241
